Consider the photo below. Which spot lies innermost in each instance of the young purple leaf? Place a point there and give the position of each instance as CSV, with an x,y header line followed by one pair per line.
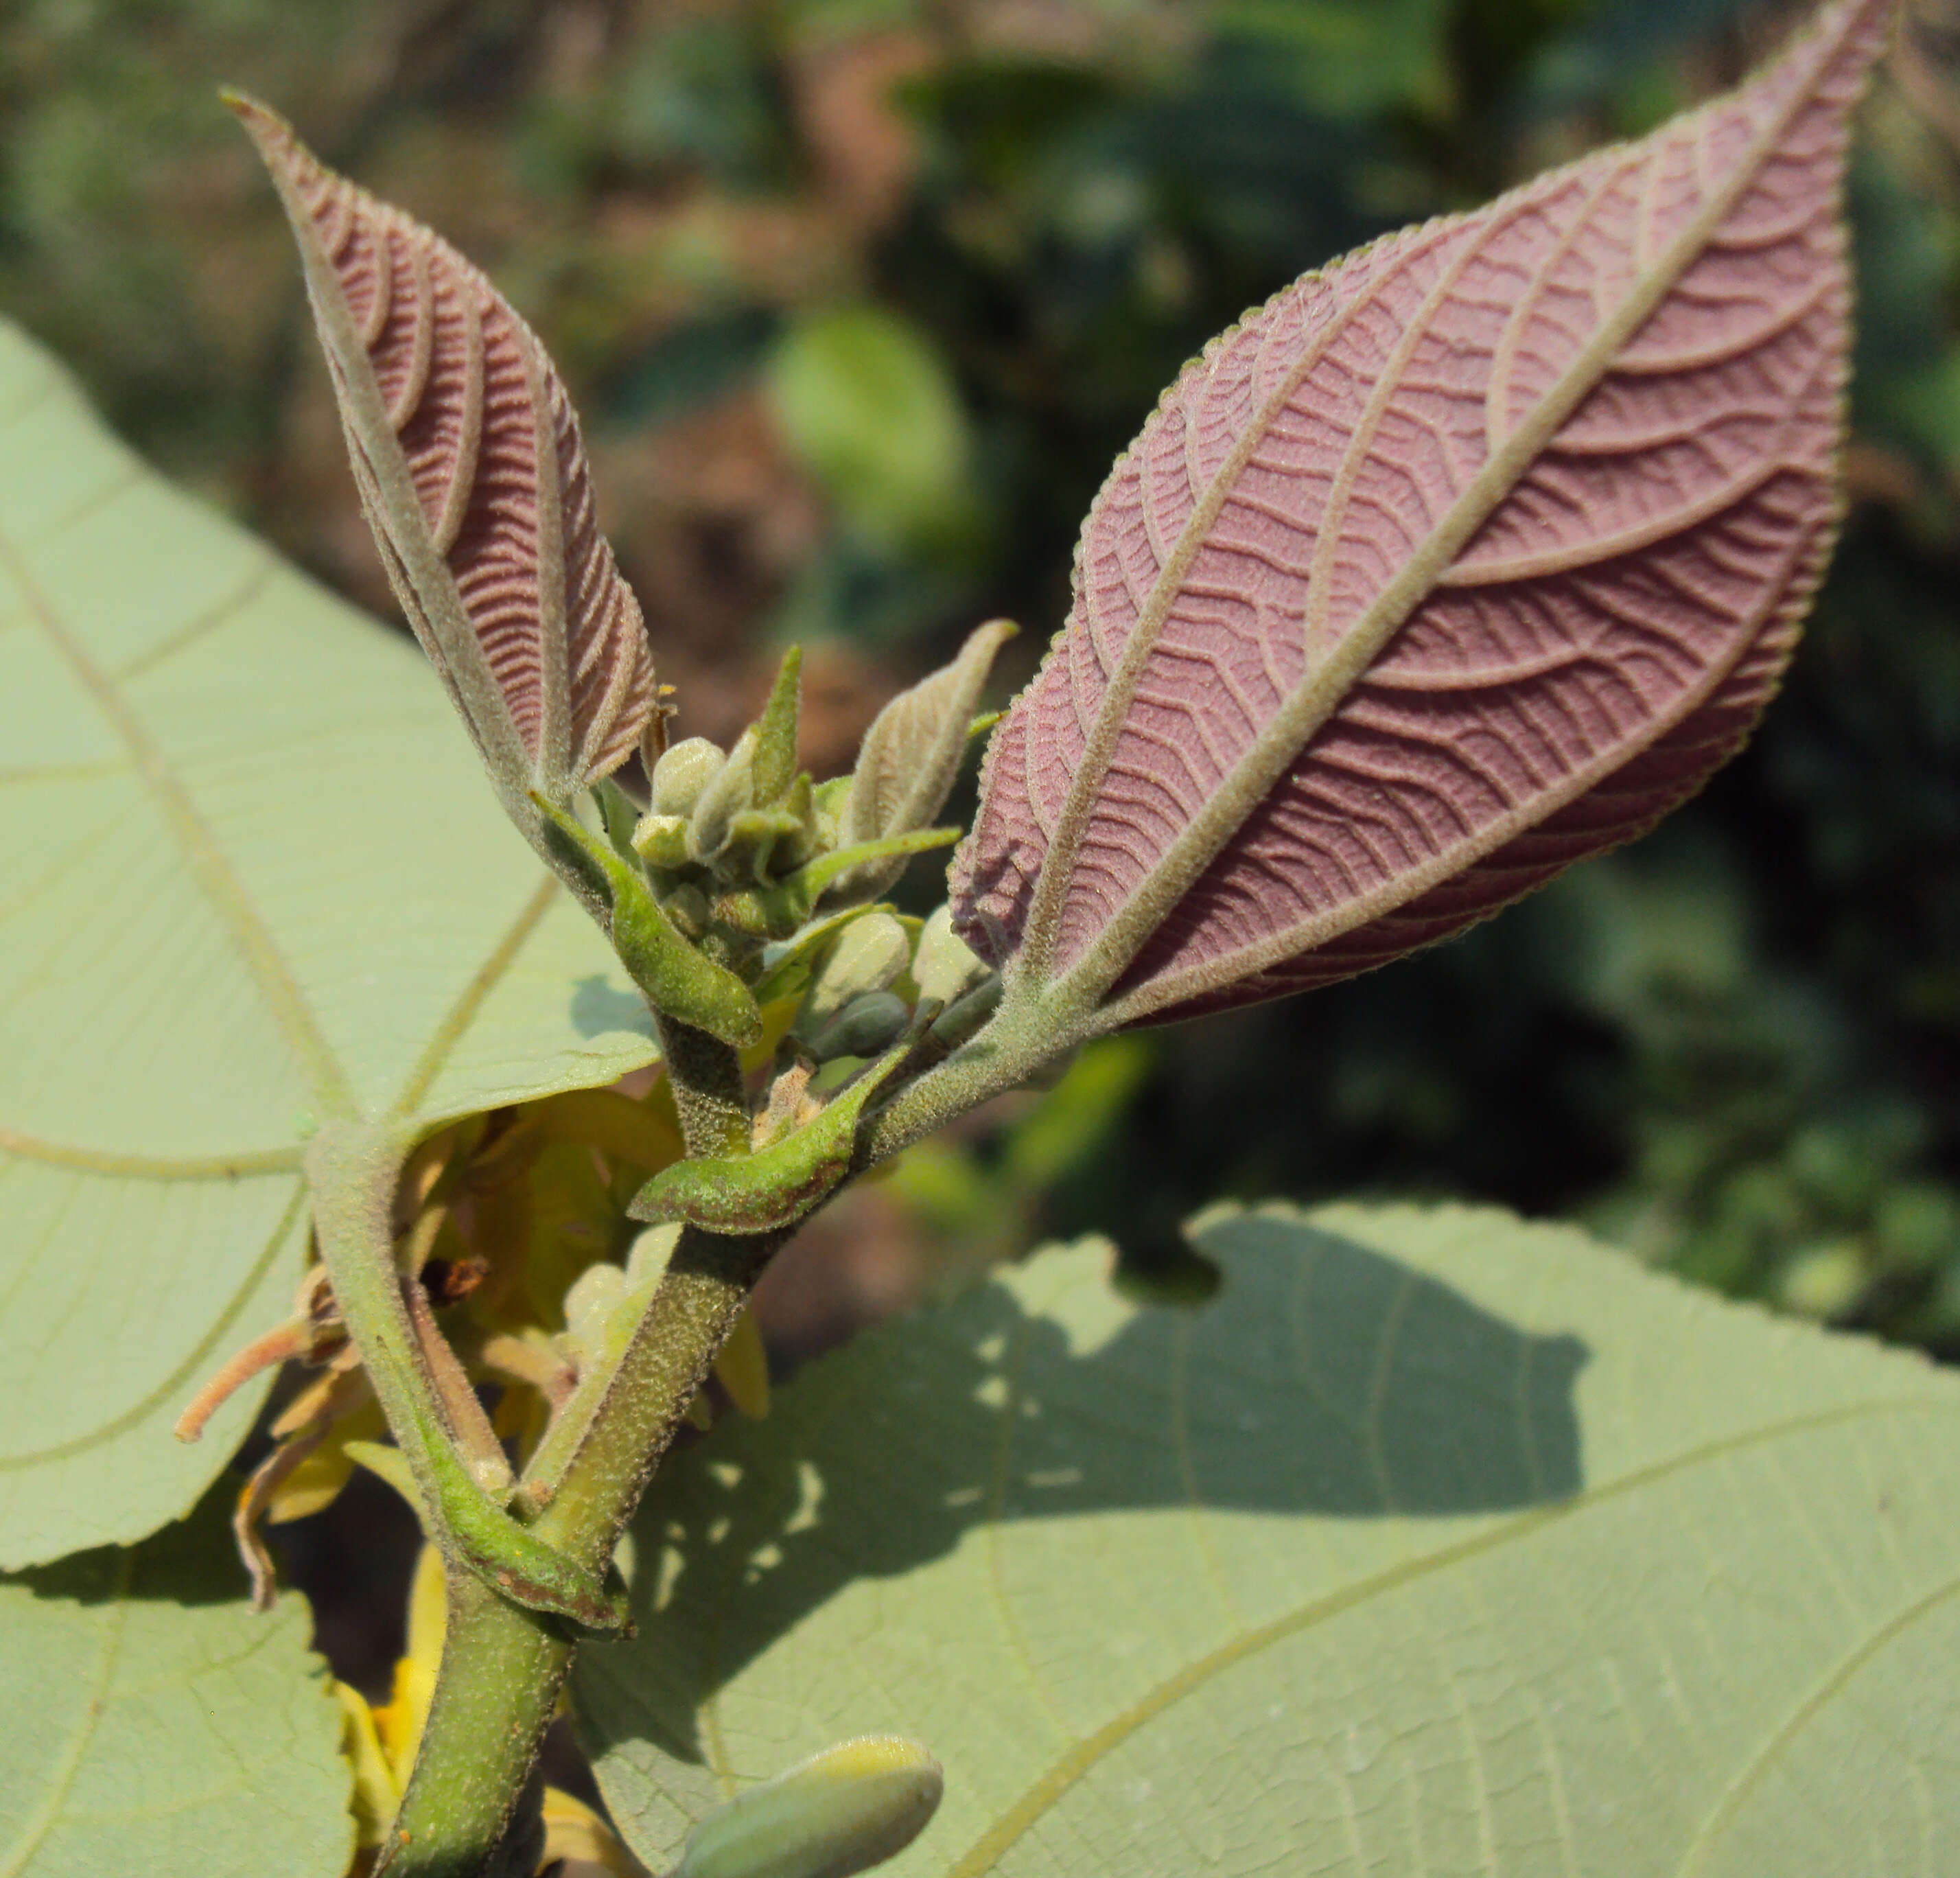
x,y
474,480
1470,556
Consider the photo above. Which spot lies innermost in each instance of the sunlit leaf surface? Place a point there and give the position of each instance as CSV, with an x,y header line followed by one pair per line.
x,y
153,1727
250,877
1436,1543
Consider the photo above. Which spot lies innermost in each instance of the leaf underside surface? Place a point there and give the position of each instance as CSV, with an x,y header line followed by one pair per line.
x,y
153,1728
1436,1543
250,878
1468,556
470,464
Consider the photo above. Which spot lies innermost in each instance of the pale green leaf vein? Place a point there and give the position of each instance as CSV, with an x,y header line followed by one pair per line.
x,y
203,856
1854,1659
193,1362
114,1165
115,1617
186,635
463,1013
1069,1768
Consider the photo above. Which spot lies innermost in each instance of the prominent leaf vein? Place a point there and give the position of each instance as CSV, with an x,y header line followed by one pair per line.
x,y
202,855
114,1165
186,635
115,1618
463,1013
193,1362
1069,1768
1854,1659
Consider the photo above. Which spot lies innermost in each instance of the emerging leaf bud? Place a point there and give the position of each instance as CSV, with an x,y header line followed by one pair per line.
x,y
909,759
474,478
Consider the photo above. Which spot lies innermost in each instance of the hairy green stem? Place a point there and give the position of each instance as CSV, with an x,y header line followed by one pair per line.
x,y
351,1168
1026,1035
706,1076
503,1666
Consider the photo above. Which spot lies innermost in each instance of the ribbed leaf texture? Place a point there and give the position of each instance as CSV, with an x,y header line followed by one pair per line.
x,y
501,497
1467,557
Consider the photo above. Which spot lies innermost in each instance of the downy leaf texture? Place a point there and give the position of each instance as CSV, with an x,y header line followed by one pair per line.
x,y
475,480
910,757
1467,557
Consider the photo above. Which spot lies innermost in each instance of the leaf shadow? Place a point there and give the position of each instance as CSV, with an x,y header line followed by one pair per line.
x,y
193,1561
599,1008
1325,1379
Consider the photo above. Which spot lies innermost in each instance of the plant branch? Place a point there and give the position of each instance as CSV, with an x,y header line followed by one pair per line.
x,y
503,1666
1026,1035
706,1076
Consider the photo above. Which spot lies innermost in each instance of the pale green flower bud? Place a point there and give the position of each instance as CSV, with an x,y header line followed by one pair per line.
x,y
870,1023
840,1812
944,966
867,956
681,773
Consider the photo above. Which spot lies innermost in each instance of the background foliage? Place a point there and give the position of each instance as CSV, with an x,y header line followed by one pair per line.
x,y
860,296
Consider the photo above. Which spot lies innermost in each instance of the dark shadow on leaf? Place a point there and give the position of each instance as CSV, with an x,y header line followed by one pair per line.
x,y
599,1006
193,1561
1324,1378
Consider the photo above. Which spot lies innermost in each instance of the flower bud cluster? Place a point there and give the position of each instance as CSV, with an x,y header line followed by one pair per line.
x,y
706,819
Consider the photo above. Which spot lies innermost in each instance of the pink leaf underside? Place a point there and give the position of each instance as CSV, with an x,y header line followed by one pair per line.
x,y
450,356
1604,637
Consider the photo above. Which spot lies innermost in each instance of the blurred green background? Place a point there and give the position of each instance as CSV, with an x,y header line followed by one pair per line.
x,y
859,298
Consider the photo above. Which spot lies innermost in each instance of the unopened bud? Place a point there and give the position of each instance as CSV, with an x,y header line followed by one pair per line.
x,y
868,1024
944,966
681,775
867,956
840,1812
724,795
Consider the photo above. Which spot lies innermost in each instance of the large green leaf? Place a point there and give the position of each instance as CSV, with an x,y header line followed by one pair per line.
x,y
1437,1542
152,1727
249,874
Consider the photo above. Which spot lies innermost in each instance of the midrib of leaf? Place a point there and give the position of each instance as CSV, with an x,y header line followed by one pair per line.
x,y
97,1161
1069,1767
193,1362
1738,1793
331,1090
1321,692
59,1788
1051,885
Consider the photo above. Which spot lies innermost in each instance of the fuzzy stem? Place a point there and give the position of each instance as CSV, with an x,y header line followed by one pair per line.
x,y
502,1665
1025,1035
502,1668
706,1075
